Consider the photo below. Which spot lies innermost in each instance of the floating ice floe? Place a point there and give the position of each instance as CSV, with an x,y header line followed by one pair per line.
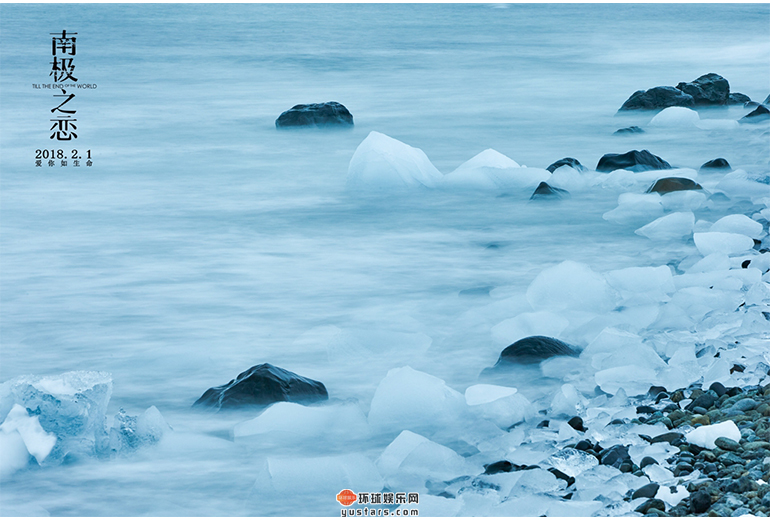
x,y
344,421
381,162
491,170
720,242
568,178
411,460
738,224
685,200
570,285
499,404
68,418
635,207
129,433
675,117
674,226
409,399
642,285
21,436
319,476
706,435
71,406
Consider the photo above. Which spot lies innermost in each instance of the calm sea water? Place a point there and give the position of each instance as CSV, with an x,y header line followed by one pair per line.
x,y
202,241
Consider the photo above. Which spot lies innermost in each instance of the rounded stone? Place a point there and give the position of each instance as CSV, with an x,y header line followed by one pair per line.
x,y
727,444
700,501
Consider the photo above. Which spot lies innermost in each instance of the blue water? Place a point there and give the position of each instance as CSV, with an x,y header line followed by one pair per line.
x,y
202,241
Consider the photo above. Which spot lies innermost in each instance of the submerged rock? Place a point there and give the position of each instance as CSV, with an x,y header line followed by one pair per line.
x,y
567,161
669,184
546,191
629,130
634,161
656,98
709,89
315,114
759,114
534,349
716,164
736,98
262,385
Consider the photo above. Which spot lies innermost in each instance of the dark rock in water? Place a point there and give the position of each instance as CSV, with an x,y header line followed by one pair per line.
x,y
653,503
647,491
502,466
658,97
263,385
716,164
562,476
534,349
700,501
315,114
545,423
584,445
634,160
577,424
645,409
614,456
704,401
669,437
567,161
718,388
655,391
709,89
669,184
546,191
759,114
736,98
647,461
629,130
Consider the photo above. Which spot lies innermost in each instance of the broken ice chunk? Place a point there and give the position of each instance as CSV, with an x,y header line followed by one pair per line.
x,y
72,406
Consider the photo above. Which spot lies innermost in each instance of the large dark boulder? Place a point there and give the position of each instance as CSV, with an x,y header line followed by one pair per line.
x,y
736,98
263,385
567,161
669,184
534,349
546,191
716,164
634,160
709,89
657,98
316,114
759,114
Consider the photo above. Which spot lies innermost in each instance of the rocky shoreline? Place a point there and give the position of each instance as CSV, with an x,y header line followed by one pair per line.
x,y
732,478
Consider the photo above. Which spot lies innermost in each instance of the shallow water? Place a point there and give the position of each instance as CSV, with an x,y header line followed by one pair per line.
x,y
203,241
